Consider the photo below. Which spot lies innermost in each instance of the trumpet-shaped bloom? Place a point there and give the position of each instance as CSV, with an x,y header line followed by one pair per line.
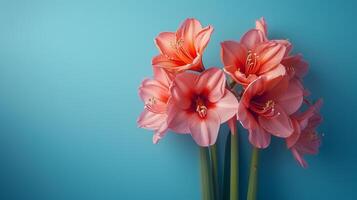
x,y
155,94
182,50
305,139
252,57
294,64
265,107
199,104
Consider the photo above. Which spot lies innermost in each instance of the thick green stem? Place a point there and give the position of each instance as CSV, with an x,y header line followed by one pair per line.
x,y
206,175
213,151
234,183
253,175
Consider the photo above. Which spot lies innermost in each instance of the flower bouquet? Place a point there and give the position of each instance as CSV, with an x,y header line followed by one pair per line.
x,y
264,92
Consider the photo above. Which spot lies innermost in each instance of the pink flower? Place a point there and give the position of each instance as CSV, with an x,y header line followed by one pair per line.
x,y
265,107
294,64
305,139
183,50
155,94
199,104
252,57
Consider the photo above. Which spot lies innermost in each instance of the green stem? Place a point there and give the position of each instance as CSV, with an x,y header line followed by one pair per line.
x,y
253,175
213,150
234,183
206,175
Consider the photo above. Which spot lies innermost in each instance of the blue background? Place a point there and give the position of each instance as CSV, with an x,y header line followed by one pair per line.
x,y
69,73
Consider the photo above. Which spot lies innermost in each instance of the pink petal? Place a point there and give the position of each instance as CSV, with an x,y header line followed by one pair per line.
x,y
252,38
164,43
298,157
182,89
204,131
152,88
291,140
275,86
160,133
177,119
287,45
308,143
196,64
292,98
274,80
270,55
203,38
259,138
175,66
279,71
164,62
163,76
226,107
257,87
150,120
261,25
296,65
212,82
280,125
188,31
233,54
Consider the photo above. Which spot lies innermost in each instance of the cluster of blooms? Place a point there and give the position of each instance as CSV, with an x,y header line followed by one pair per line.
x,y
186,98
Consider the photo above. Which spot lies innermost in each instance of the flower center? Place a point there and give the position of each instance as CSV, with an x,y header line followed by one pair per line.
x,y
151,101
266,109
182,53
251,64
201,109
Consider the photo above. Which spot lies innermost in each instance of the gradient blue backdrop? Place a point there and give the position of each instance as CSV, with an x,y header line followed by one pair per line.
x,y
69,73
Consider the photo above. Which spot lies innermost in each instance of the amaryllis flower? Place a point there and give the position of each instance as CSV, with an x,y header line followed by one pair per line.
x,y
265,107
305,139
199,104
182,50
252,57
294,64
155,94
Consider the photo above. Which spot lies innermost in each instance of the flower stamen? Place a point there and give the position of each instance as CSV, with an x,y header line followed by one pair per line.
x,y
251,64
201,109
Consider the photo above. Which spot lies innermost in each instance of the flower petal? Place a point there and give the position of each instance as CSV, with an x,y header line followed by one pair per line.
x,y
296,66
291,140
160,133
259,138
256,87
163,76
203,38
237,76
233,54
257,135
292,98
151,88
164,62
261,25
226,107
252,38
298,157
150,120
270,55
279,125
177,119
287,45
164,41
212,82
204,131
188,31
181,89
